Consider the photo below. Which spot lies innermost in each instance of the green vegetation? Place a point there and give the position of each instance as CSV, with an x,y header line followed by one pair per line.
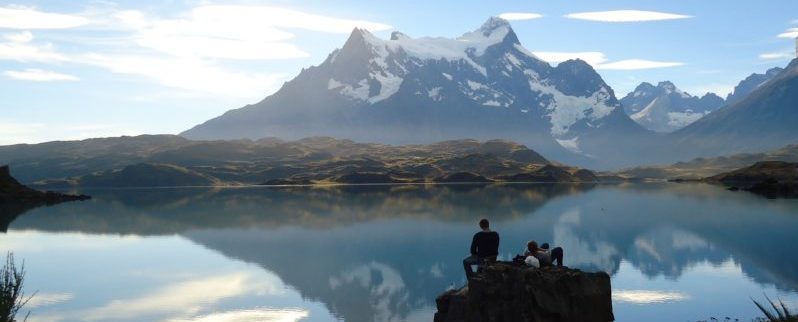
x,y
779,313
12,297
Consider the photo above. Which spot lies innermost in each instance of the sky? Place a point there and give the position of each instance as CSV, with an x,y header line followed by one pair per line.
x,y
80,69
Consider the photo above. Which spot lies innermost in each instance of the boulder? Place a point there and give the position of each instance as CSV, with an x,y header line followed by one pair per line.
x,y
511,292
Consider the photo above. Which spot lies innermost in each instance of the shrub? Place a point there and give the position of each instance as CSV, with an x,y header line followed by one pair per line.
x,y
12,297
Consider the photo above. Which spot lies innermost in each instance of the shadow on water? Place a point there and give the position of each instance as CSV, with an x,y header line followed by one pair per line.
x,y
384,252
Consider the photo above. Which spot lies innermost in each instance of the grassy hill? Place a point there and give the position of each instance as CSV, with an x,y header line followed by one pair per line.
x,y
165,160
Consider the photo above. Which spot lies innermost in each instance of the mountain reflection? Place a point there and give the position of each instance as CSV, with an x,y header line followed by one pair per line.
x,y
384,252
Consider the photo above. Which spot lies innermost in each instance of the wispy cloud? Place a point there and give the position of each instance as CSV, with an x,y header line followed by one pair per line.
x,y
648,296
626,16
187,73
520,16
271,315
233,31
16,17
789,33
554,57
779,55
190,50
20,47
635,64
38,75
600,61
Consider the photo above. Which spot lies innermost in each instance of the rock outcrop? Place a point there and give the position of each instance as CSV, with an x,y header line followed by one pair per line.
x,y
772,179
511,292
16,198
11,191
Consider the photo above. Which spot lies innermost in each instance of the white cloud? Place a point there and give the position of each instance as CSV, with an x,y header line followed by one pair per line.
x,y
635,64
257,315
38,75
187,298
45,299
599,60
789,33
648,296
20,47
30,18
554,57
20,37
188,73
233,31
780,55
520,16
625,16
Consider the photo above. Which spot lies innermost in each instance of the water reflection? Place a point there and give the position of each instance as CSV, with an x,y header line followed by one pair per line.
x,y
383,253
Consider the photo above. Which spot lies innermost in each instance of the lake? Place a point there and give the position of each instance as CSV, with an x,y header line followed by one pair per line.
x,y
676,252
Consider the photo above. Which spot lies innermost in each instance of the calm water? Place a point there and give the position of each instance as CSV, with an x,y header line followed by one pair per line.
x,y
378,253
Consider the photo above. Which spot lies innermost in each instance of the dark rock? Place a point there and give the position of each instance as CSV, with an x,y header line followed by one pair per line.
x,y
584,175
462,177
527,177
287,182
11,191
511,292
16,199
772,179
365,177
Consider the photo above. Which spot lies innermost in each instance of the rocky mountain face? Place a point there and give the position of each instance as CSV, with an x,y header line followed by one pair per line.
x,y
750,83
665,108
481,85
764,119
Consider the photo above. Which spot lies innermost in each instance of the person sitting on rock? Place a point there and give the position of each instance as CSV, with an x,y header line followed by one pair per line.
x,y
544,256
484,248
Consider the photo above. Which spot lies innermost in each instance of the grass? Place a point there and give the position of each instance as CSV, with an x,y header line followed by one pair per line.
x,y
12,296
780,312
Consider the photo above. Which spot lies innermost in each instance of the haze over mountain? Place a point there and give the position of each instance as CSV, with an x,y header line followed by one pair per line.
x,y
665,108
482,85
750,83
765,119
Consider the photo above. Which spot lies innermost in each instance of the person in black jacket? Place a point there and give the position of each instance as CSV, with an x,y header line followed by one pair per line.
x,y
484,248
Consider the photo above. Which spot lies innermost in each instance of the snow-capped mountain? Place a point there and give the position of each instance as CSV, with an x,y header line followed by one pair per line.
x,y
665,108
481,85
766,118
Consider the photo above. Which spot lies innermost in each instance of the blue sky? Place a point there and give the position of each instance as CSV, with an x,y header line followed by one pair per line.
x,y
73,70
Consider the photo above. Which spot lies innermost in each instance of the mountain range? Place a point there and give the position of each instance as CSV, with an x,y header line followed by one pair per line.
x,y
405,92
485,85
665,108
481,85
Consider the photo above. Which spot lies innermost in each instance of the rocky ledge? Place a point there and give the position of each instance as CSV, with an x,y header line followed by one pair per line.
x,y
511,292
772,179
13,191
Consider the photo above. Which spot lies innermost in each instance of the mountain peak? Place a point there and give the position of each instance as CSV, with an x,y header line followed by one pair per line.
x,y
396,35
668,85
493,24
